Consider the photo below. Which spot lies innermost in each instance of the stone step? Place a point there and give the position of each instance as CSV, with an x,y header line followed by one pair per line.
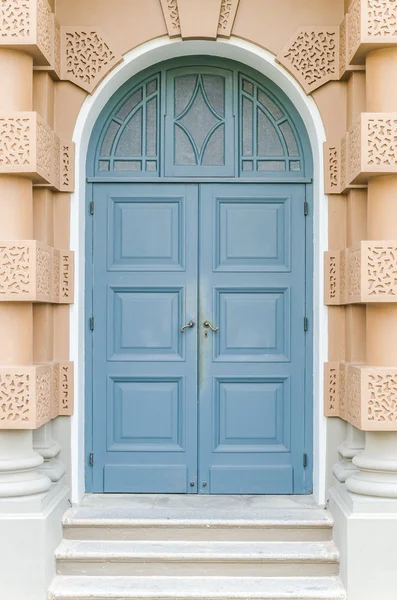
x,y
194,588
182,558
198,523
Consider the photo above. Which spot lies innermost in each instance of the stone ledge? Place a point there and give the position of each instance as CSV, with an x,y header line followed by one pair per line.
x,y
28,25
366,273
31,271
29,147
362,395
30,396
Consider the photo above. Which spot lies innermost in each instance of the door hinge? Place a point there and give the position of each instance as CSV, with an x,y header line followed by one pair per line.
x,y
91,459
305,323
92,207
306,208
92,323
304,460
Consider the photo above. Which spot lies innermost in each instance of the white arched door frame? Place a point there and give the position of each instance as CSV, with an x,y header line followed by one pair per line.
x,y
136,60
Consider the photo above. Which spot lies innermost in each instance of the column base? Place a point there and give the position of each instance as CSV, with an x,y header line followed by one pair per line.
x,y
365,530
54,469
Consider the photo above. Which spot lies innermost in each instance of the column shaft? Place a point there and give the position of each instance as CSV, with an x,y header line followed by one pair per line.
x,y
377,465
19,463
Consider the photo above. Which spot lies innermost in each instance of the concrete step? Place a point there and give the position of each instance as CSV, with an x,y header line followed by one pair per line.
x,y
182,558
195,588
246,523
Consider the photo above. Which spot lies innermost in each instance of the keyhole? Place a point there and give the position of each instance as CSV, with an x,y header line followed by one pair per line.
x,y
205,334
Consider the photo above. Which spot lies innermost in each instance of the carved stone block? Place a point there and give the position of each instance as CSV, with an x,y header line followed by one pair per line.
x,y
54,67
34,272
171,17
331,389
27,25
26,144
362,274
312,56
372,397
336,167
344,65
25,396
226,17
63,165
332,277
66,388
372,24
86,56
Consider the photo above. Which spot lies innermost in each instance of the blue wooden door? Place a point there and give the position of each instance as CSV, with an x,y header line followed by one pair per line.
x,y
144,390
252,339
220,407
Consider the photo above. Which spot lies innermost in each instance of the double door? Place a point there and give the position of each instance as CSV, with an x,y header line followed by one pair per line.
x,y
198,351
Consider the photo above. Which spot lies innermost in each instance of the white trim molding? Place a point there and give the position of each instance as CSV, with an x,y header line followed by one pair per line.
x,y
136,60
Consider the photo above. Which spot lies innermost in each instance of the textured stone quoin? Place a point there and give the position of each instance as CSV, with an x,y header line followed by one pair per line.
x,y
366,273
364,396
25,396
86,56
371,24
34,272
226,17
312,56
28,25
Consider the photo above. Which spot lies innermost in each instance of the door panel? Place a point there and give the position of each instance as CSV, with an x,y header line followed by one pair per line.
x,y
144,367
252,384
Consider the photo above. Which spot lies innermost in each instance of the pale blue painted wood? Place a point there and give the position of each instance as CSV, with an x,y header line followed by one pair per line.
x,y
254,376
252,379
144,368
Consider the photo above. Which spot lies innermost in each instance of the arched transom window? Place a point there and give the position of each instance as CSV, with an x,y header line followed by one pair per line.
x,y
200,121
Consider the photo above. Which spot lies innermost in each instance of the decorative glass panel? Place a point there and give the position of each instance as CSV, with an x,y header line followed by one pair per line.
x,y
199,118
267,134
132,133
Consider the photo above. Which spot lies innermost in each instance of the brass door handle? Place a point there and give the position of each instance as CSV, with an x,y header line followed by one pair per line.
x,y
188,326
208,325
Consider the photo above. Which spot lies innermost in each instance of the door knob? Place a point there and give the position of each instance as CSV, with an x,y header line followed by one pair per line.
x,y
208,325
188,326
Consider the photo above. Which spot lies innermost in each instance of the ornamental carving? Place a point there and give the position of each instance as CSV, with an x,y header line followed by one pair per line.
x,y
353,396
66,166
15,21
312,56
342,276
354,154
27,25
371,25
382,397
354,274
332,277
44,149
382,272
25,397
226,17
86,56
15,398
66,277
382,141
15,271
34,272
342,390
332,168
171,17
382,18
66,380
15,141
331,389
55,391
44,270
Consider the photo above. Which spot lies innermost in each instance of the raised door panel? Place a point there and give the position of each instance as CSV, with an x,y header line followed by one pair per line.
x,y
144,368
